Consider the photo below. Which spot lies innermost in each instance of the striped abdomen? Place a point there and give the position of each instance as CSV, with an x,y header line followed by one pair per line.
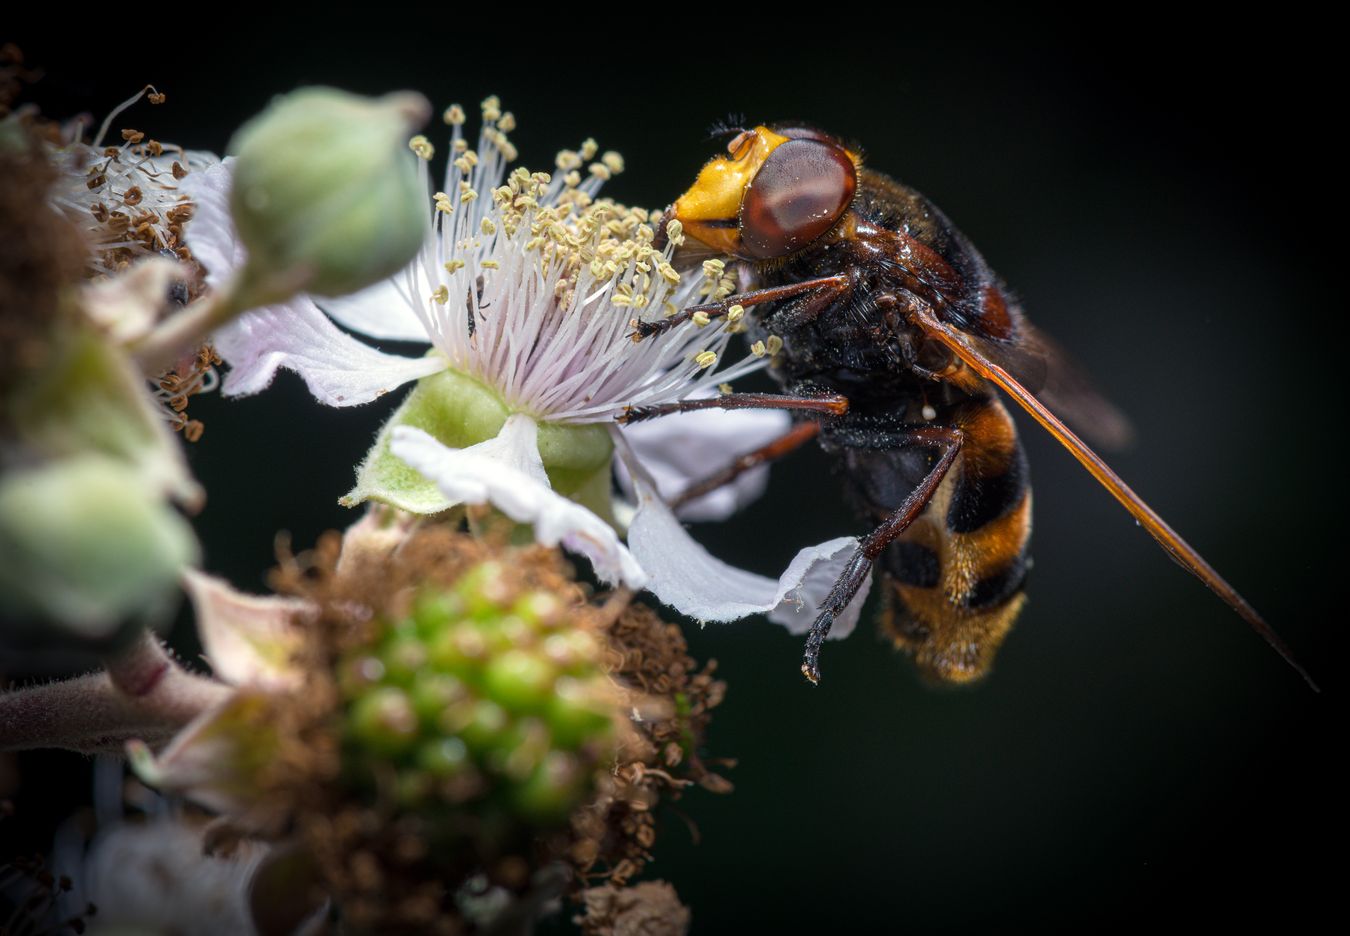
x,y
953,581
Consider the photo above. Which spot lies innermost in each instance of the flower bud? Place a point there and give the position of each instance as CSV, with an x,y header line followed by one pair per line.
x,y
326,194
89,399
552,788
87,543
384,720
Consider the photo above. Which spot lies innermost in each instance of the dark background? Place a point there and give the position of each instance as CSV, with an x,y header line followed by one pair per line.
x,y
1164,197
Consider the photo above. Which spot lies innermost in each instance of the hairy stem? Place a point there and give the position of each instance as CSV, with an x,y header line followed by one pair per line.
x,y
143,694
182,333
190,328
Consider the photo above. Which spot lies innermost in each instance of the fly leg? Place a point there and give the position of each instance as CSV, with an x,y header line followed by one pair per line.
x,y
790,441
816,295
949,441
831,404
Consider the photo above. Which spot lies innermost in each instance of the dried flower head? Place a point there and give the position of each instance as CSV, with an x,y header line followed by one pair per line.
x,y
613,837
651,908
125,196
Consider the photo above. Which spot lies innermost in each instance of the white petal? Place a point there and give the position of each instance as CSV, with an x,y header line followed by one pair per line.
x,y
210,234
156,877
339,370
517,445
816,569
687,577
380,311
508,473
680,450
247,639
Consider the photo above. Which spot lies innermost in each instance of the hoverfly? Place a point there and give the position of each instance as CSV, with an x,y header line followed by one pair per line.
x,y
896,336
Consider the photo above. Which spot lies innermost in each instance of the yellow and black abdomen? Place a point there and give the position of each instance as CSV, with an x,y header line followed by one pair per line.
x,y
953,582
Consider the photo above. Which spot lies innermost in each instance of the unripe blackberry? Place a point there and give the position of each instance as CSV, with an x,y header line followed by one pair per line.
x,y
483,699
463,720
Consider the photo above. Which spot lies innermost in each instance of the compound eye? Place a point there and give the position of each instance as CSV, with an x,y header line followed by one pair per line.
x,y
803,132
797,195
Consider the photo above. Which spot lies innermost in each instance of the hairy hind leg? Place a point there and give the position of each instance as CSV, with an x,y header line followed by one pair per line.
x,y
949,439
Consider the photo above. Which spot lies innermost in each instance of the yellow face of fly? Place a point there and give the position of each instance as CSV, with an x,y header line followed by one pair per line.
x,y
710,210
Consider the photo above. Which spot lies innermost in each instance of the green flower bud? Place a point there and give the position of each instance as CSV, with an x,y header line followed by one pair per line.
x,y
412,787
434,610
326,194
522,748
483,591
444,757
575,715
89,398
433,693
539,608
552,788
89,544
402,658
385,721
572,651
519,680
488,721
458,651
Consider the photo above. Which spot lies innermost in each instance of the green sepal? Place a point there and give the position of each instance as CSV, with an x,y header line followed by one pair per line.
x,y
221,758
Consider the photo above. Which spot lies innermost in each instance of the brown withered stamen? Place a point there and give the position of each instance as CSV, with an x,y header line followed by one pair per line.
x,y
190,377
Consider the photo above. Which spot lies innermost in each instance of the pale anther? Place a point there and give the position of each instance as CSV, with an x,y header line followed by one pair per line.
x,y
422,147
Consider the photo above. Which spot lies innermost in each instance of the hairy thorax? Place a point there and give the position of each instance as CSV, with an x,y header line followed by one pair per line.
x,y
896,251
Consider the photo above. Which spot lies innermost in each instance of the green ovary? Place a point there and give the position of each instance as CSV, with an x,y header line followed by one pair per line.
x,y
459,411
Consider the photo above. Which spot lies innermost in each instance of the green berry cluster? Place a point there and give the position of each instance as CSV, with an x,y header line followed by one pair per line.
x,y
485,707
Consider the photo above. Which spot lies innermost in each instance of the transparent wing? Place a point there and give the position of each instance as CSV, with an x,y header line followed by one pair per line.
x,y
1041,366
976,354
